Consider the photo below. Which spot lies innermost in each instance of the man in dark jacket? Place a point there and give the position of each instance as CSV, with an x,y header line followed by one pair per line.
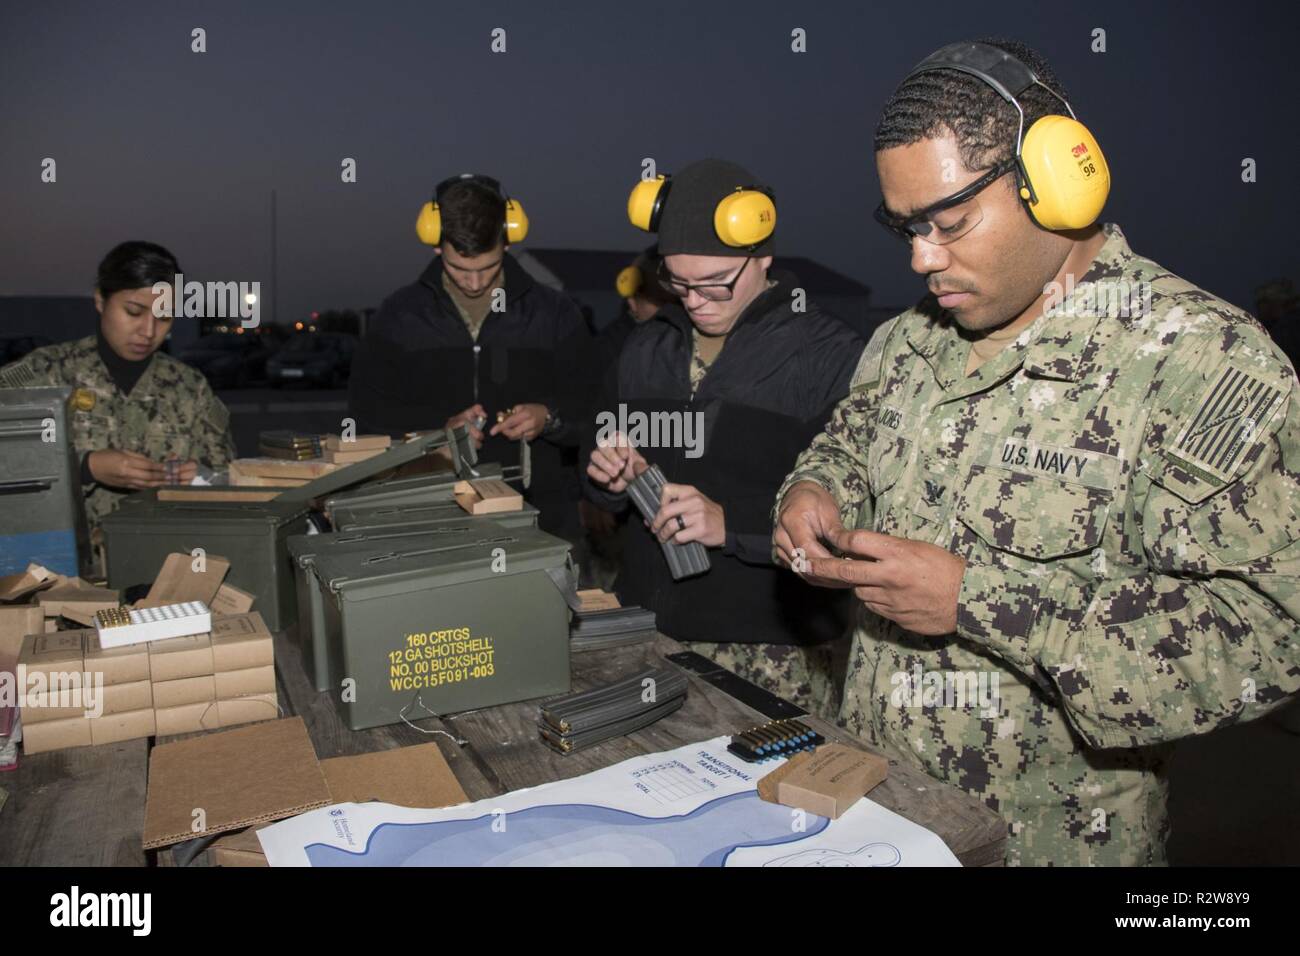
x,y
477,340
752,370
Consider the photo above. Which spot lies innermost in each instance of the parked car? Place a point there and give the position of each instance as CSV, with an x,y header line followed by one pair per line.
x,y
227,360
323,359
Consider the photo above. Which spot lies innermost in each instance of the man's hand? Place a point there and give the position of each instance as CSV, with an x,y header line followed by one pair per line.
x,y
912,583
687,514
614,462
468,417
126,469
524,421
808,517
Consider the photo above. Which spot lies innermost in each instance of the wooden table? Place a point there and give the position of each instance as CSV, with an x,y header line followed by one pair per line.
x,y
85,806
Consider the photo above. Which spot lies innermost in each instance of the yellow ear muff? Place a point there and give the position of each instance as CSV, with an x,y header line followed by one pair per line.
x,y
429,224
628,282
644,202
1068,173
516,221
745,218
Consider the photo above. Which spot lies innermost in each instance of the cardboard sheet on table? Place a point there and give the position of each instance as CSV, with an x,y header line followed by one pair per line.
x,y
239,778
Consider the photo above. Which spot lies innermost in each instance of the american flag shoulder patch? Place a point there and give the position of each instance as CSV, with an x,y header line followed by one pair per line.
x,y
1228,420
18,375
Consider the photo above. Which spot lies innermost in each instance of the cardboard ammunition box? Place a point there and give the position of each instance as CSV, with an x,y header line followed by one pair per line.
x,y
414,490
111,728
43,520
124,698
118,665
186,718
310,631
476,619
40,707
248,709
241,641
60,652
184,690
389,517
246,526
56,734
180,657
244,683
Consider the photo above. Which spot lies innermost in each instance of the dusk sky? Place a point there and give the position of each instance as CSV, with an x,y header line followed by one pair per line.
x,y
154,141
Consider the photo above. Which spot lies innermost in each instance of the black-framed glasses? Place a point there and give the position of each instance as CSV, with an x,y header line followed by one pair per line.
x,y
713,291
948,219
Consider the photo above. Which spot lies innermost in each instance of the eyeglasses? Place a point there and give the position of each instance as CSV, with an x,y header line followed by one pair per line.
x,y
713,291
948,219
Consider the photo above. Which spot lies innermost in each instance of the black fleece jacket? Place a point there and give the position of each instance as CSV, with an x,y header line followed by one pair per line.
x,y
767,394
418,365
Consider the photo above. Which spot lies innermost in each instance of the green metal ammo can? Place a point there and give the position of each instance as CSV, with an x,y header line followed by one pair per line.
x,y
304,549
42,518
478,619
381,517
250,534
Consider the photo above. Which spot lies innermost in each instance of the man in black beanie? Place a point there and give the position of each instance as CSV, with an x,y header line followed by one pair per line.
x,y
736,377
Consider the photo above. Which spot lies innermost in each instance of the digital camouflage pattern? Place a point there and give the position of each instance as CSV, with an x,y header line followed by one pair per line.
x,y
811,677
171,412
1126,492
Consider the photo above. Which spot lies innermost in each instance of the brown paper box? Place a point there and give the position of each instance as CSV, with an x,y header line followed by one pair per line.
x,y
248,709
187,718
40,708
77,602
15,624
14,587
241,642
238,849
185,690
124,698
230,600
484,496
825,782
239,778
111,728
179,657
358,443
594,599
119,665
242,683
303,471
56,735
232,494
59,652
178,582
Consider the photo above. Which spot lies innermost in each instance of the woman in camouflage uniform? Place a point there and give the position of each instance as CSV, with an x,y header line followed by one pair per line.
x,y
133,408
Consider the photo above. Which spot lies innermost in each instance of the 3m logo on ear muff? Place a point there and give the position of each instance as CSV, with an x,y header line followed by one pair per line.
x,y
742,219
1064,176
428,225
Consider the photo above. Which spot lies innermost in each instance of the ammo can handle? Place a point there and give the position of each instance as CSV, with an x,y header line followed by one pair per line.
x,y
20,430
27,484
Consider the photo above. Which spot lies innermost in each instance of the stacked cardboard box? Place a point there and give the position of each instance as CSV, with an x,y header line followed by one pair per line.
x,y
176,686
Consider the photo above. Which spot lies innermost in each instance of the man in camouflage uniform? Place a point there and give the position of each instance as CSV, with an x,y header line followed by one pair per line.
x,y
171,412
1082,547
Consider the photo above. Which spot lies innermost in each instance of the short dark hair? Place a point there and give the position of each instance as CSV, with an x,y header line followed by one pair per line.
x,y
473,217
135,265
931,104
